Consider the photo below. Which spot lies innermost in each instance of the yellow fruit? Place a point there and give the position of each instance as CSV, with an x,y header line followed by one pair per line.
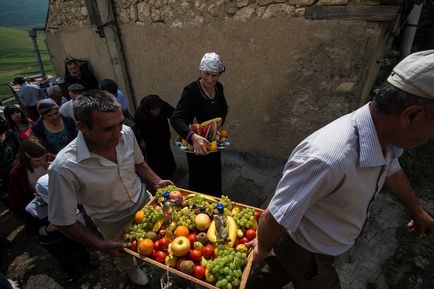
x,y
224,133
213,146
157,225
232,229
138,217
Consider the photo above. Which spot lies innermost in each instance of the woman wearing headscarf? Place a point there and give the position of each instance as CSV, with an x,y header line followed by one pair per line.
x,y
152,120
202,100
52,129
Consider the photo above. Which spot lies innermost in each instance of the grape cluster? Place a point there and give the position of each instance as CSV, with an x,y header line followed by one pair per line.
x,y
138,231
226,270
226,202
185,217
199,204
159,193
245,219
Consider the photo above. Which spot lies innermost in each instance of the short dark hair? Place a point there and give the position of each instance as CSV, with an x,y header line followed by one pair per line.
x,y
69,61
109,85
94,100
390,99
30,148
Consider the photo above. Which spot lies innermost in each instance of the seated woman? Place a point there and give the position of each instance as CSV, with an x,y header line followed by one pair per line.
x,y
32,163
52,129
18,122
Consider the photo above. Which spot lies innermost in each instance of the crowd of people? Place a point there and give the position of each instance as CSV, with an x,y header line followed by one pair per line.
x,y
85,152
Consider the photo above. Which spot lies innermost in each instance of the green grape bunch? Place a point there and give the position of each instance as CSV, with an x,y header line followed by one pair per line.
x,y
227,269
245,219
226,202
137,231
185,217
199,204
160,191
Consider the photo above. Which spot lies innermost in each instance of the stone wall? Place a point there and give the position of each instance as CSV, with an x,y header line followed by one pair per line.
x,y
287,73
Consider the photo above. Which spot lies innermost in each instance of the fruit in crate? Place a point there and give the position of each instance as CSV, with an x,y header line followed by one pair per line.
x,y
202,238
145,247
187,266
181,231
226,268
180,246
245,219
232,232
202,221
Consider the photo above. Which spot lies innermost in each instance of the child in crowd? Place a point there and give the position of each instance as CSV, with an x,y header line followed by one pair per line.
x,y
72,256
33,162
8,154
152,119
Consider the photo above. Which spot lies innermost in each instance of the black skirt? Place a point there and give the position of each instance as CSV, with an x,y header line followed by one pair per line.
x,y
205,173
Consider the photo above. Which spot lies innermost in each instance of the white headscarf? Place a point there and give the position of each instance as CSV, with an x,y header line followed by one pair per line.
x,y
212,62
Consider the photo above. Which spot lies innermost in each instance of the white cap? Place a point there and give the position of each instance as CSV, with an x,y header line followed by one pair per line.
x,y
41,188
415,74
212,62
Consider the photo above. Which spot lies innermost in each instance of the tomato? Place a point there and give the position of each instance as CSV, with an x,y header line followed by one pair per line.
x,y
156,245
257,215
133,245
251,234
208,251
163,243
192,238
195,255
199,271
243,240
160,256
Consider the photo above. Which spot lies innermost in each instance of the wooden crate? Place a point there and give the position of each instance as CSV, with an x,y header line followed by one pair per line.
x,y
191,278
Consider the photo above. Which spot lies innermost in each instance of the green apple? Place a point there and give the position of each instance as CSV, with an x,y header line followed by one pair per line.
x,y
180,246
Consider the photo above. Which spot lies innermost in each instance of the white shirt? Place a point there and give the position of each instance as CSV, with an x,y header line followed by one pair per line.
x,y
108,191
329,182
67,109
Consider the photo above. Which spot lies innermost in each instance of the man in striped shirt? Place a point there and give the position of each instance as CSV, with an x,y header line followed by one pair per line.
x,y
322,201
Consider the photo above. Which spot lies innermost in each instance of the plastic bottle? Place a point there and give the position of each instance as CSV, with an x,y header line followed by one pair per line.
x,y
167,208
221,224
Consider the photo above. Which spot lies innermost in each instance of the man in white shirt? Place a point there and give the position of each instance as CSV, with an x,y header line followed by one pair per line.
x,y
322,201
102,169
67,109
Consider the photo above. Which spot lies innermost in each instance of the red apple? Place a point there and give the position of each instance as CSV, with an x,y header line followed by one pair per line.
x,y
250,234
180,246
160,256
163,243
195,255
243,240
176,196
152,255
192,238
199,271
133,245
208,251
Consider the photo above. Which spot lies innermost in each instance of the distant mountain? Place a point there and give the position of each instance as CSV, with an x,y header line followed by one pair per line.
x,y
23,13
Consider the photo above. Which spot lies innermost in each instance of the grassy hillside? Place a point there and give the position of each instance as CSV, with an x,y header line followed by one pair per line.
x,y
17,56
23,13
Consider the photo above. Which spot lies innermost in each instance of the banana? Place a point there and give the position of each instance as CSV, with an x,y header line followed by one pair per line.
x,y
232,230
157,225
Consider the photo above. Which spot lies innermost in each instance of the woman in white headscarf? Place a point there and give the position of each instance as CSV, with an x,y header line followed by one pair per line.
x,y
202,100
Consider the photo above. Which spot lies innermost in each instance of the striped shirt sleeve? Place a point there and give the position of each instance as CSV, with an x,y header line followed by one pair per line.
x,y
305,180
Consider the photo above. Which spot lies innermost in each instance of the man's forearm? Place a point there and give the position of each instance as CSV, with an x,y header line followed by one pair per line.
x,y
269,232
83,235
399,186
147,174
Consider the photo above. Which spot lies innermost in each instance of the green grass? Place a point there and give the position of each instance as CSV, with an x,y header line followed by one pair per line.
x,y
18,58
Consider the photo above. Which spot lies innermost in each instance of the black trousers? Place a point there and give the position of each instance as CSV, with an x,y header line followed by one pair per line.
x,y
291,263
205,173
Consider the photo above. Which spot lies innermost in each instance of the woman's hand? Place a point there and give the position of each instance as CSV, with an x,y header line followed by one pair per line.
x,y
199,144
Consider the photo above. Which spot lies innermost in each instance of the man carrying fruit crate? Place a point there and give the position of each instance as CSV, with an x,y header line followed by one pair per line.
x,y
322,201
102,169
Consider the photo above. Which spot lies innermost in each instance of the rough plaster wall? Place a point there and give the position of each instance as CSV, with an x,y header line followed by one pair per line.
x,y
285,77
81,43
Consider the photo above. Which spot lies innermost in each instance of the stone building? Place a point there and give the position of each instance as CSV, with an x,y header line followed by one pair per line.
x,y
292,65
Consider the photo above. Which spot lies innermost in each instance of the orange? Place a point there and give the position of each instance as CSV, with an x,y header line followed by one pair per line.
x,y
138,217
224,133
213,146
181,231
145,247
